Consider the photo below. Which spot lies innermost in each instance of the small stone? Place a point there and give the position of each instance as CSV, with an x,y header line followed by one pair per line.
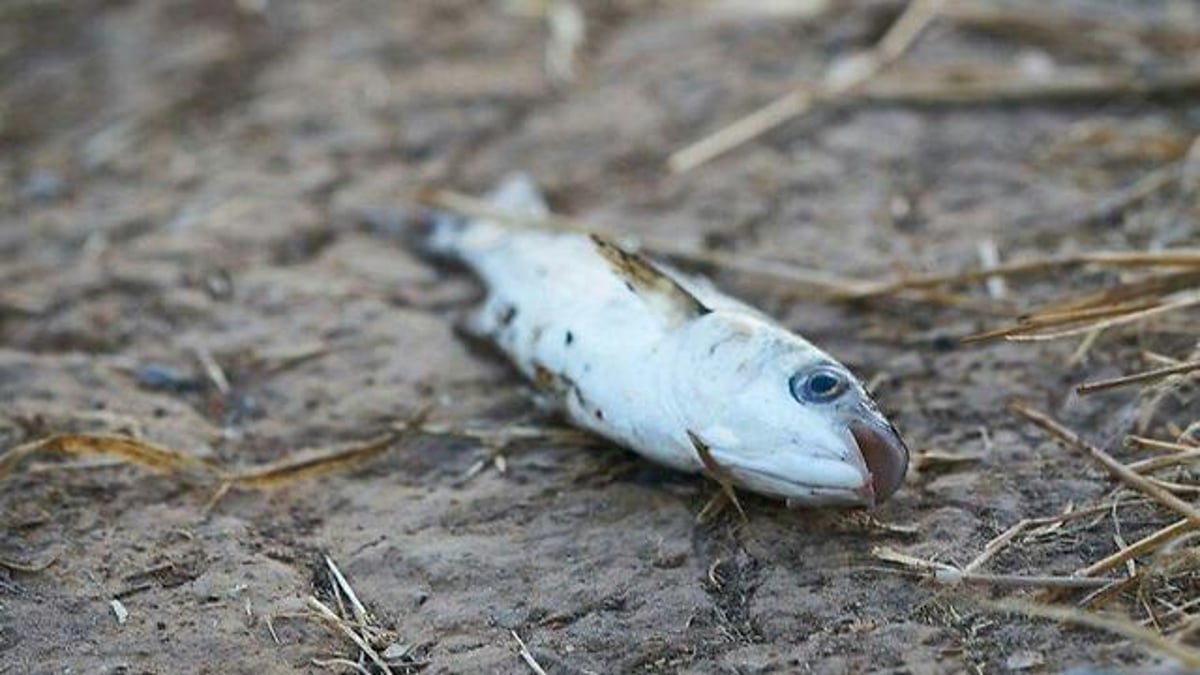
x,y
44,186
119,610
1024,661
669,557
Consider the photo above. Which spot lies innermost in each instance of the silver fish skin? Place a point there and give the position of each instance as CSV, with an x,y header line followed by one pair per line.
x,y
667,366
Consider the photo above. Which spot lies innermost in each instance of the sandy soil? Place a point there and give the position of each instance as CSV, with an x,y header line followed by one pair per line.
x,y
189,176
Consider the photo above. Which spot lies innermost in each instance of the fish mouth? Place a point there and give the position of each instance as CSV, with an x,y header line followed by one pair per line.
x,y
884,456
866,470
840,483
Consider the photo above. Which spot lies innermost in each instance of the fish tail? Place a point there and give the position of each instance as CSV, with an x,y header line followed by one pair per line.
x,y
449,235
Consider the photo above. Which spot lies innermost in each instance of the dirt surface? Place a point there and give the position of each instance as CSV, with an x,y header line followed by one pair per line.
x,y
236,178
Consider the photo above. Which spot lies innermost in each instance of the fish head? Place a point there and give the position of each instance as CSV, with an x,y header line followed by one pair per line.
x,y
780,416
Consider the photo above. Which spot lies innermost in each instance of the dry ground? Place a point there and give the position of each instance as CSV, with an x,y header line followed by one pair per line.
x,y
234,178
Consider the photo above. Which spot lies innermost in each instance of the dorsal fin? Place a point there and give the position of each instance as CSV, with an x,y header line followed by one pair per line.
x,y
652,284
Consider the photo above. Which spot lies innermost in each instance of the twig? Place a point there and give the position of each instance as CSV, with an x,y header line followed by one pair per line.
x,y
991,86
1181,301
795,103
989,258
953,577
1117,469
996,544
1143,545
30,567
212,369
360,612
1188,656
950,575
1173,258
1175,611
1048,319
296,468
527,656
1075,30
1126,198
1160,445
337,622
341,663
1164,461
1105,593
889,554
1136,378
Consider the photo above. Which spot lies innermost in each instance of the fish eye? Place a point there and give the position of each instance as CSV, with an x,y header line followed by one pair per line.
x,y
820,385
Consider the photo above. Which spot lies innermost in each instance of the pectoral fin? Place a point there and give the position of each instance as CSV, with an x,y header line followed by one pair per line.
x,y
717,473
652,284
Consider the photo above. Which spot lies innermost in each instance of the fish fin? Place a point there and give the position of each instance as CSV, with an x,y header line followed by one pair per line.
x,y
645,279
717,473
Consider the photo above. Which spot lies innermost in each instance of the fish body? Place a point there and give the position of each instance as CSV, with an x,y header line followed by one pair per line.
x,y
667,366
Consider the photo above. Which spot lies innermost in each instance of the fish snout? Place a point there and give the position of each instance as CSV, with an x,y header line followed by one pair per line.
x,y
885,456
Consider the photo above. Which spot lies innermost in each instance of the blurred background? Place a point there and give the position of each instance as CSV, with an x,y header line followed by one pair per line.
x,y
203,209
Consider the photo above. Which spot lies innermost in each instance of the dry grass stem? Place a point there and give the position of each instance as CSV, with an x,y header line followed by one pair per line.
x,y
955,577
567,27
341,663
527,656
360,612
1138,378
150,456
292,469
838,82
1149,639
1073,31
1157,444
1117,469
1171,304
949,575
989,258
957,85
339,624
889,554
28,567
1048,319
1165,461
212,369
1139,547
1186,258
996,545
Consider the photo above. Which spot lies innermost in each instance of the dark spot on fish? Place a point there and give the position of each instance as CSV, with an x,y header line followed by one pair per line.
x,y
543,378
507,315
599,414
569,338
944,343
630,287
556,383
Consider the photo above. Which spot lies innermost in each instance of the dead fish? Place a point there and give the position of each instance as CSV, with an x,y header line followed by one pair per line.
x,y
667,366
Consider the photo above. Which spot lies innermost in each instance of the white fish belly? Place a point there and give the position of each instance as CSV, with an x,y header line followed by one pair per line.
x,y
575,329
